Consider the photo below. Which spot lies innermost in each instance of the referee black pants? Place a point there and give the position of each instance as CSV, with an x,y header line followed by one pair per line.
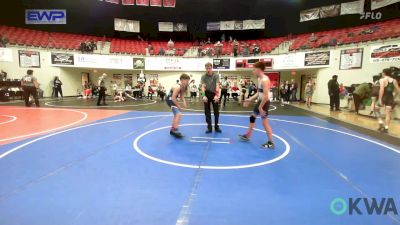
x,y
28,91
102,96
207,109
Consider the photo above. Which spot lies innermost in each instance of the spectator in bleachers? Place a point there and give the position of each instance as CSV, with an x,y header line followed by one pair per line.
x,y
210,52
218,49
235,47
256,49
230,39
93,45
246,50
170,44
208,41
161,51
150,48
313,38
3,41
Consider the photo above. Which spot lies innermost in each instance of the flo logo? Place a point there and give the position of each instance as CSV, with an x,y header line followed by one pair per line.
x,y
363,206
371,15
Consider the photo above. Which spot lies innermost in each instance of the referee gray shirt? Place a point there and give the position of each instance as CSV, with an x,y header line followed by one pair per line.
x,y
210,82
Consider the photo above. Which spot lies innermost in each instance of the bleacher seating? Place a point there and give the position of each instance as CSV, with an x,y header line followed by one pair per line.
x,y
380,30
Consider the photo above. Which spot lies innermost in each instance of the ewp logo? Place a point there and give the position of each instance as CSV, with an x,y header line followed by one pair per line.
x,y
45,16
359,206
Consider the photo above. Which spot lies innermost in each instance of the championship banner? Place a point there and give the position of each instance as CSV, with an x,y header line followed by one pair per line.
x,y
213,26
29,59
113,1
356,7
166,26
128,2
385,53
317,58
309,14
238,25
6,55
169,3
180,27
153,79
138,63
142,2
329,11
126,25
156,3
221,64
227,25
351,59
254,24
376,4
62,59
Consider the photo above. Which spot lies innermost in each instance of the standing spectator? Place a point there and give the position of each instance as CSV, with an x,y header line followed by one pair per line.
x,y
224,90
288,88
235,48
53,88
170,44
102,89
208,41
162,93
293,90
161,51
57,87
193,90
361,92
230,39
218,48
256,49
309,91
210,91
333,90
246,50
29,85
223,38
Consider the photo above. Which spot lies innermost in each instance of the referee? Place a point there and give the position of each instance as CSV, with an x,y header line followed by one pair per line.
x,y
102,89
210,91
29,85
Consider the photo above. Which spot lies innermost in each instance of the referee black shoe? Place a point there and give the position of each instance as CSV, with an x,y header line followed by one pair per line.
x,y
217,129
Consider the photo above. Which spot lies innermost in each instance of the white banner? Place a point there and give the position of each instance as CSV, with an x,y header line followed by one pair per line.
x,y
289,61
166,26
356,7
103,61
176,64
385,53
127,25
179,27
227,25
351,59
254,24
309,14
376,4
6,55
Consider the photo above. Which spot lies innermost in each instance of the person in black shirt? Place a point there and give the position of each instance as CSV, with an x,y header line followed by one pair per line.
x,y
57,87
333,90
102,89
210,92
30,85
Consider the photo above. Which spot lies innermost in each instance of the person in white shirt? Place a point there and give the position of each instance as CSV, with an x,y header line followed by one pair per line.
x,y
193,90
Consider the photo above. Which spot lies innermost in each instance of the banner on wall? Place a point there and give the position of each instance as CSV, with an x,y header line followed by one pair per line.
x,y
138,63
176,64
156,3
329,11
289,61
153,79
254,24
166,26
385,53
376,4
213,26
127,25
248,63
169,3
103,61
227,25
6,55
309,14
317,58
29,59
142,2
351,59
180,27
62,59
221,64
356,7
